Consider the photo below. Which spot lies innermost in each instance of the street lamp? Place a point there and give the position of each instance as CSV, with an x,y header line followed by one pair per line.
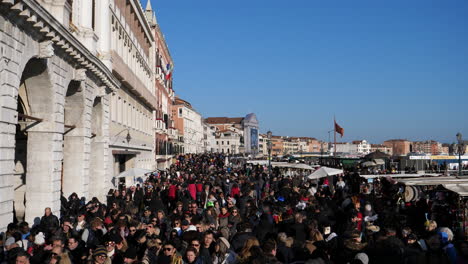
x,y
460,150
269,146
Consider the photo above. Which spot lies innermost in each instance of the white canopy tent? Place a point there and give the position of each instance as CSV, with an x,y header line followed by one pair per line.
x,y
282,164
458,185
372,176
134,175
324,172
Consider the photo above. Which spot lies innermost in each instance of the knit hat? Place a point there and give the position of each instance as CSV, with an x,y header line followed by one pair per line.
x,y
362,257
39,239
100,250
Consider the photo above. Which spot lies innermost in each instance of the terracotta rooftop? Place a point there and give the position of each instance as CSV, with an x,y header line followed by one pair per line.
x,y
179,101
224,120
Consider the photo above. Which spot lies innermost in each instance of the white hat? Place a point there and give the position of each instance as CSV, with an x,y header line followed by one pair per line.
x,y
225,242
362,257
39,239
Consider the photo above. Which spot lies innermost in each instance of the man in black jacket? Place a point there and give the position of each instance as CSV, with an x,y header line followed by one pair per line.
x,y
49,222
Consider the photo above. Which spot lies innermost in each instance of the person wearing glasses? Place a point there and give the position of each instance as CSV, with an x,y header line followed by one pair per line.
x,y
100,256
132,229
196,244
76,249
152,229
170,255
153,251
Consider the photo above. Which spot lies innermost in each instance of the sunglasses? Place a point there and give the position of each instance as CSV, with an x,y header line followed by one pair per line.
x,y
132,230
167,249
195,245
110,244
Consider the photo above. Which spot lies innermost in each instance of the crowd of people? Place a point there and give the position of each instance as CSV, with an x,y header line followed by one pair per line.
x,y
204,211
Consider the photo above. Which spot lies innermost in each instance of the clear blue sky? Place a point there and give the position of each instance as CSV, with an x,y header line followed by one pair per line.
x,y
386,69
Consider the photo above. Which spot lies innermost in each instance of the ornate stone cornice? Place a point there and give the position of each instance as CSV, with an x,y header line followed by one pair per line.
x,y
44,23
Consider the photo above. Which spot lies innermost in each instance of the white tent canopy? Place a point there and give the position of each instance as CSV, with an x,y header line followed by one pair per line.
x,y
372,176
133,172
461,189
282,164
324,172
134,175
453,184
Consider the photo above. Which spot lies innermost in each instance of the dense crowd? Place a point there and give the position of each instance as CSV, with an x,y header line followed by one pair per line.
x,y
204,211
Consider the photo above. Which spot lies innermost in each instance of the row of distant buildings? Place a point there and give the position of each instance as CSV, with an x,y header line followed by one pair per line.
x,y
285,145
229,135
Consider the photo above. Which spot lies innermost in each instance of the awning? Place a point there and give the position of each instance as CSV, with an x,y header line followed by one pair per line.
x,y
124,152
324,172
461,189
369,164
133,172
372,176
379,161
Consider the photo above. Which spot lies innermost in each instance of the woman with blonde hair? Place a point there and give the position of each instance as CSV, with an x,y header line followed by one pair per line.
x,y
245,252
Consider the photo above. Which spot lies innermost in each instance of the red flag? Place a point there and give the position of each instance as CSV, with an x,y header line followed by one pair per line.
x,y
339,129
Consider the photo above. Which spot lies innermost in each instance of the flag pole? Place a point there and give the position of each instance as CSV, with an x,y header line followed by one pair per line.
x,y
334,136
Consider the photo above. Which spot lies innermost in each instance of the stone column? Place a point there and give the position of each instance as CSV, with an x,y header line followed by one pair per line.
x,y
86,33
98,187
75,164
44,173
103,30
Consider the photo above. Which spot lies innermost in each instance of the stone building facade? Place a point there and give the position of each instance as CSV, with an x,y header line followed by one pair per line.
x,y
134,104
189,125
400,147
55,94
167,143
246,127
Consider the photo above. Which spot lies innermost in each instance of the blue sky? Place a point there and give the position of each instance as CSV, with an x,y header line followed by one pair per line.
x,y
386,69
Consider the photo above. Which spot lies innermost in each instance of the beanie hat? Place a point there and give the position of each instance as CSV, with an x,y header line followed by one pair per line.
x,y
39,239
362,257
100,250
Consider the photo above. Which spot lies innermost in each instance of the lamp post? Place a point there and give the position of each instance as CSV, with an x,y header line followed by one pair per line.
x,y
460,149
269,146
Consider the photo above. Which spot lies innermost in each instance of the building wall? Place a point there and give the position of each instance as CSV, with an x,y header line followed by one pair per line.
x,y
192,132
209,139
277,146
399,147
133,108
381,148
58,81
228,141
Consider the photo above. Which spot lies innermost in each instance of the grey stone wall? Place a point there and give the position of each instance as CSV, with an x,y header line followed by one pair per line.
x,y
46,139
